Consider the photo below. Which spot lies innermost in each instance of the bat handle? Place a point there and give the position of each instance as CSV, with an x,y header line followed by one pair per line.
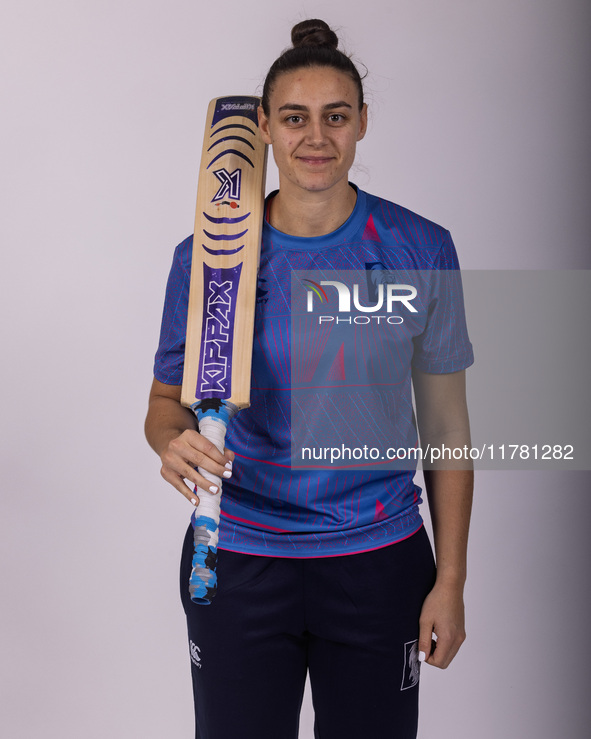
x,y
213,420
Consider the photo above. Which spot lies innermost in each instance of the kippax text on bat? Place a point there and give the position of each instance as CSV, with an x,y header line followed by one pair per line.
x,y
235,105
214,378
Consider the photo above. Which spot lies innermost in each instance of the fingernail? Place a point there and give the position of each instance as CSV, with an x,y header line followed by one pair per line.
x,y
213,489
422,656
194,501
228,465
227,474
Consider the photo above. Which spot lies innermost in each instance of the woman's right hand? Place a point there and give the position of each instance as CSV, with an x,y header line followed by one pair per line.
x,y
184,454
171,430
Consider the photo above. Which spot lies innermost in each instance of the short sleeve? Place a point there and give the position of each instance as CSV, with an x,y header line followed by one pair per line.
x,y
170,357
444,346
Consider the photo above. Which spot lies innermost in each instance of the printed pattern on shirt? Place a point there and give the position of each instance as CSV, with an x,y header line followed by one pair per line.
x,y
267,507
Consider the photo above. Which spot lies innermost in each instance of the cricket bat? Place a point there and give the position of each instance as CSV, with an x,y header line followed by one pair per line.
x,y
222,298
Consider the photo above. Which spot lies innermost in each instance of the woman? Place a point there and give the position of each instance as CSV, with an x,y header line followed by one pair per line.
x,y
326,571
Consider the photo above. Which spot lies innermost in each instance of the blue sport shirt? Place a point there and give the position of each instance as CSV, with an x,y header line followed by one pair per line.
x,y
268,507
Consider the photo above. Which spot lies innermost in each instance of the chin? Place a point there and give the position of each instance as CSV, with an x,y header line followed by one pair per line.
x,y
318,183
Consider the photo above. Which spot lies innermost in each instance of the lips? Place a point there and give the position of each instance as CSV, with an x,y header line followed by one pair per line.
x,y
315,161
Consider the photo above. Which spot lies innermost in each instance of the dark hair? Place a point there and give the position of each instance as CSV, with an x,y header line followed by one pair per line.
x,y
314,45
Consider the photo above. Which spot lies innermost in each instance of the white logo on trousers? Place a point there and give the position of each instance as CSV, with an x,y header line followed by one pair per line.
x,y
195,654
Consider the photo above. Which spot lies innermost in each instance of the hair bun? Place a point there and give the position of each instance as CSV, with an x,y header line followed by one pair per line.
x,y
313,32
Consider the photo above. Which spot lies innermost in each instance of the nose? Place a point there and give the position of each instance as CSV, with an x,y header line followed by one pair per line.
x,y
315,134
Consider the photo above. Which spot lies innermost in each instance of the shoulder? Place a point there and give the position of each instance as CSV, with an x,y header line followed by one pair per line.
x,y
394,222
183,254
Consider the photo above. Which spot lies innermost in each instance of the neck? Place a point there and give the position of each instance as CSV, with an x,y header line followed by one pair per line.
x,y
311,214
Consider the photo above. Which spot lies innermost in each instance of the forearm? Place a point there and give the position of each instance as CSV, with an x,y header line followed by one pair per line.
x,y
450,502
443,421
165,421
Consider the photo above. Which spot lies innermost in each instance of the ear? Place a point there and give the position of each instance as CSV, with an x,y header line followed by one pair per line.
x,y
362,122
264,125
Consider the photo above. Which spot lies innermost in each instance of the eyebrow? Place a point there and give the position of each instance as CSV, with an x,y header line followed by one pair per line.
x,y
328,106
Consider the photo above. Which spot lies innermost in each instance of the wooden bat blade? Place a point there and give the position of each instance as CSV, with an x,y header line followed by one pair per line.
x,y
226,249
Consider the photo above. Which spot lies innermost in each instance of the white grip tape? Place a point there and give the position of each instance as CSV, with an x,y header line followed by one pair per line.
x,y
209,503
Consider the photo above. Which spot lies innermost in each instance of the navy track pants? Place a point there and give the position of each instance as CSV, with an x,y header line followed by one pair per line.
x,y
351,621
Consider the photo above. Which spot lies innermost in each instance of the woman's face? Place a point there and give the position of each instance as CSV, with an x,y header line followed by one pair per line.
x,y
314,124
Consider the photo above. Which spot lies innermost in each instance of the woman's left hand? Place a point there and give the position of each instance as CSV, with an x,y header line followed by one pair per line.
x,y
443,615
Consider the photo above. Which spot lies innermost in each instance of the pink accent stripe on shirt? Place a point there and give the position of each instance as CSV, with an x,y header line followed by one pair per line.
x,y
254,524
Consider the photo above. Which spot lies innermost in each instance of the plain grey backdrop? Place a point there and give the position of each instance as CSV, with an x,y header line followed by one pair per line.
x,y
479,120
